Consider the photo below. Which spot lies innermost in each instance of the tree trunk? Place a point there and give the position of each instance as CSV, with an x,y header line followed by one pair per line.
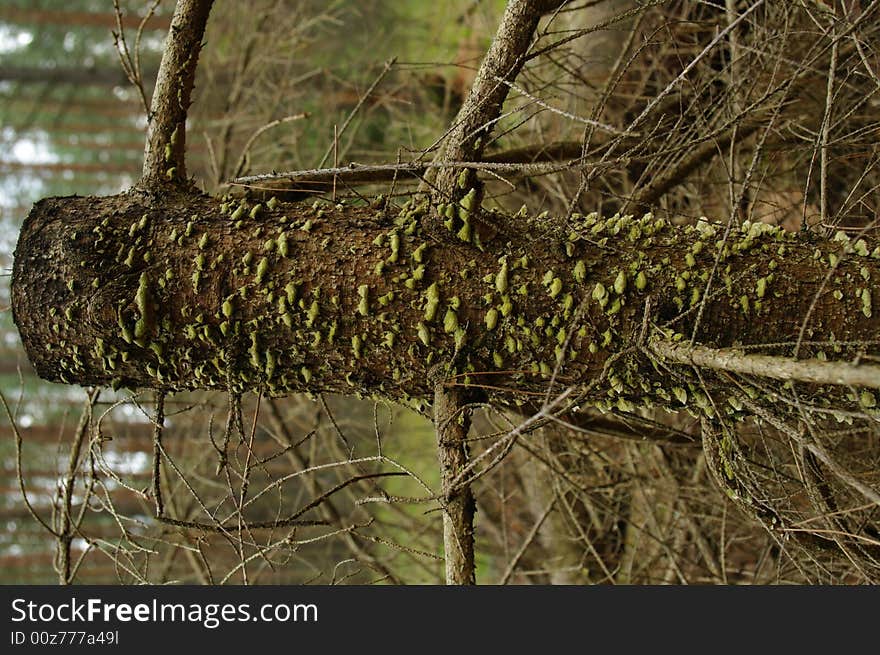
x,y
452,420
180,291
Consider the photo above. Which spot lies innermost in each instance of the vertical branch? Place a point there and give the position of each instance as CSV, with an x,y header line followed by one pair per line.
x,y
482,107
452,420
157,453
65,526
826,130
164,153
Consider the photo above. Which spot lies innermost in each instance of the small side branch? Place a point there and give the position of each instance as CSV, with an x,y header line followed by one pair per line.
x,y
777,368
533,160
165,148
482,107
452,420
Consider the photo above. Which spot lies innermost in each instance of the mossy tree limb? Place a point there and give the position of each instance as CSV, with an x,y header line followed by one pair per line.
x,y
184,291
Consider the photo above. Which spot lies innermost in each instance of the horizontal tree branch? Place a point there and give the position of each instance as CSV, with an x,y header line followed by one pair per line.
x,y
733,360
354,173
186,292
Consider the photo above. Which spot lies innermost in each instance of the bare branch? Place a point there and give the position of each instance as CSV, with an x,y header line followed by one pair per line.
x,y
777,368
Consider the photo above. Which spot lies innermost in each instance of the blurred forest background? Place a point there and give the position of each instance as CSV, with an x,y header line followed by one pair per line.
x,y
777,123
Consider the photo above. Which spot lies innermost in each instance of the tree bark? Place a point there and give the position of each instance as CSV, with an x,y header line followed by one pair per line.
x,y
470,132
452,420
164,154
179,291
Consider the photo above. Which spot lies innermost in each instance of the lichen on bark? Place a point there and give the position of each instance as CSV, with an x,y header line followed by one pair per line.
x,y
183,291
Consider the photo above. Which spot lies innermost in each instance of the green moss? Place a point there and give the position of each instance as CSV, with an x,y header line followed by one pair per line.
x,y
142,299
140,329
432,300
423,334
450,321
680,394
314,310
501,278
364,305
227,307
641,281
262,269
491,319
469,200
291,290
394,240
761,287
506,306
254,351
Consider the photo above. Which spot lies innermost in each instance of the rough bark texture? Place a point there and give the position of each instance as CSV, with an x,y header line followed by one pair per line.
x,y
181,291
164,159
452,419
482,107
